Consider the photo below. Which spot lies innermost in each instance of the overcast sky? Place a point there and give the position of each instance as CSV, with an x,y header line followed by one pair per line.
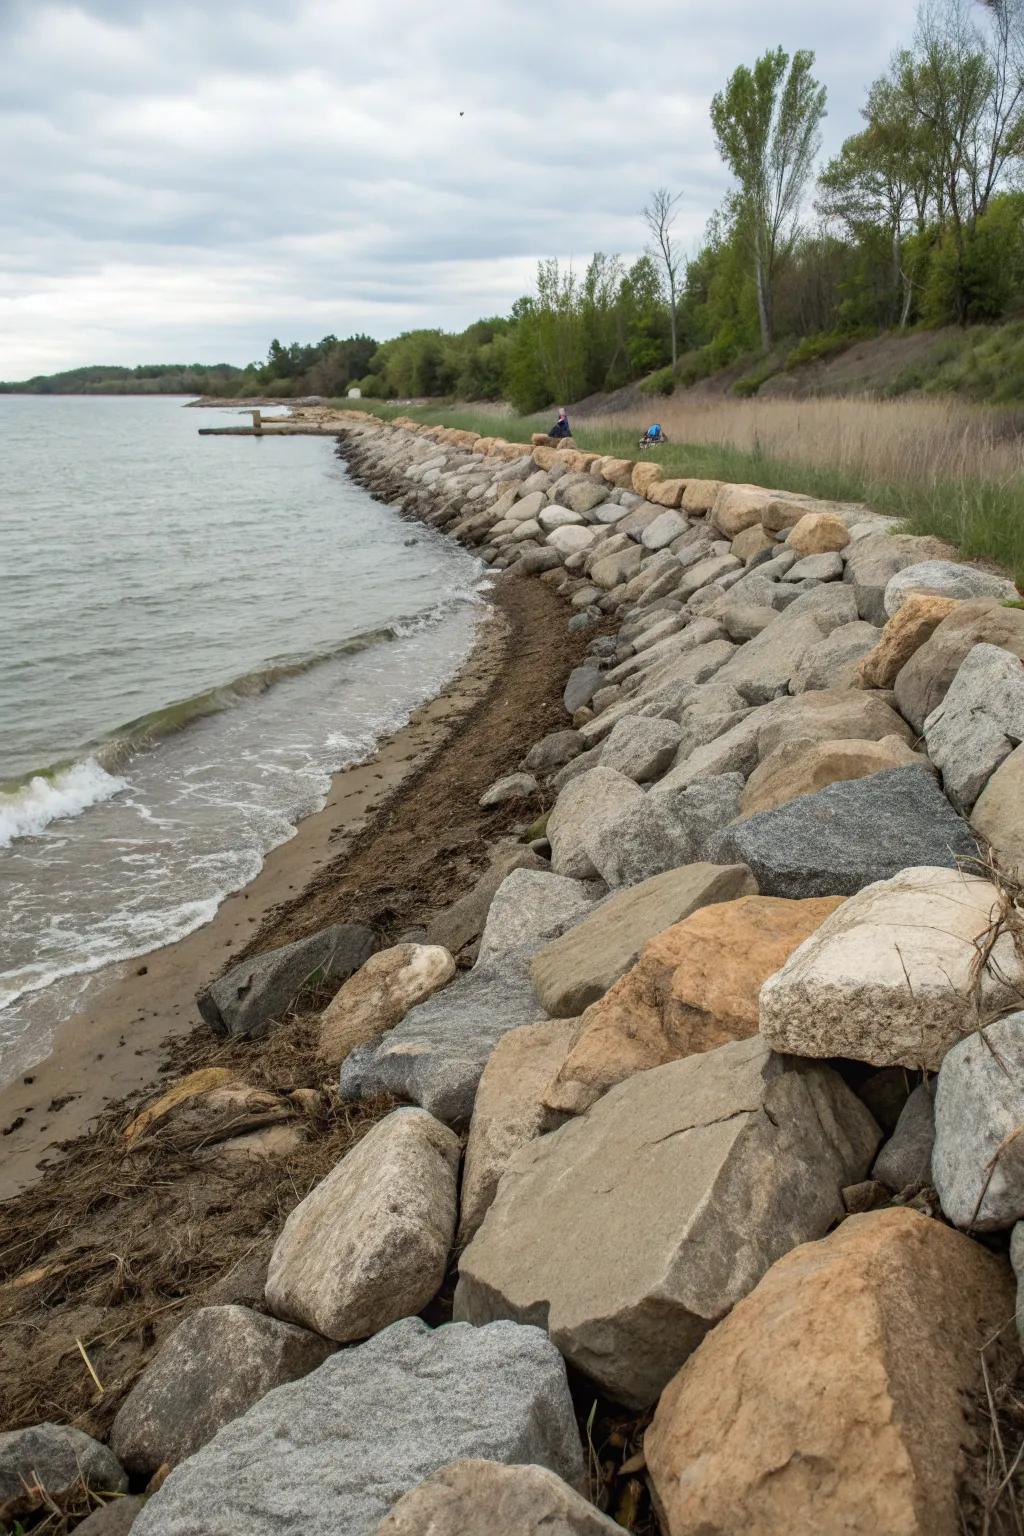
x,y
183,181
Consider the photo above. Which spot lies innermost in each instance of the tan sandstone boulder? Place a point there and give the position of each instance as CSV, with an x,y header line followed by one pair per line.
x,y
817,533
904,634
831,1399
737,507
801,766
667,493
924,682
694,987
644,476
998,814
699,496
487,1498
509,1111
752,541
380,995
618,472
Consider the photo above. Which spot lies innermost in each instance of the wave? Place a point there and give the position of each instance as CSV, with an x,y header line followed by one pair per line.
x,y
25,811
68,787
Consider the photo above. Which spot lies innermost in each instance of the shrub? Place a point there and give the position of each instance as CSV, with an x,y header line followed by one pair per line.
x,y
663,382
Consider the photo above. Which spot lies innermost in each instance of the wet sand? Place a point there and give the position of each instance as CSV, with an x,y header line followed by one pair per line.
x,y
114,1046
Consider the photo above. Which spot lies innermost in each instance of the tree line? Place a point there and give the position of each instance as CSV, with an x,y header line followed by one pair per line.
x,y
917,221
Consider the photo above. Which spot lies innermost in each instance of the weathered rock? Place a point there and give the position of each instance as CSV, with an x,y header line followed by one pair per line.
x,y
484,1498
694,987
369,1425
576,969
379,995
697,813
801,766
663,530
818,533
53,1461
737,507
732,751
699,495
894,978
509,1111
978,723
214,1366
627,1287
555,516
610,571
706,572
834,663
827,567
594,799
370,1242
945,578
583,683
904,633
115,1518
437,1053
462,922
978,1156
830,715
641,748
906,1157
752,542
666,493
921,685
997,815
873,561
584,496
254,994
832,1399
553,751
762,669
515,786
568,541
849,835
868,1195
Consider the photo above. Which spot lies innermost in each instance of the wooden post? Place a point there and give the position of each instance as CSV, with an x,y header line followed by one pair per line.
x,y
257,421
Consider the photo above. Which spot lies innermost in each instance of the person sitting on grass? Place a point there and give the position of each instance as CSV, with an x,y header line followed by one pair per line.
x,y
561,427
654,437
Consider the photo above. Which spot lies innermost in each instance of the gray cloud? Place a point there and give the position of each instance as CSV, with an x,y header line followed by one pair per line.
x,y
187,180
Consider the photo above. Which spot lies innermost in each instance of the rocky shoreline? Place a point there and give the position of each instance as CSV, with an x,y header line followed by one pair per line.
x,y
708,1093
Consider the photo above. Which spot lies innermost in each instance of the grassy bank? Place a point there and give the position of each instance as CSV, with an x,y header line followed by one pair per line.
x,y
948,469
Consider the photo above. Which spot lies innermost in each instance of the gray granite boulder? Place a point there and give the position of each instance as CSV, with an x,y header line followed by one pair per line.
x,y
484,1498
906,1158
436,1054
978,723
512,788
462,922
257,992
58,1460
583,682
214,1366
641,748
335,1451
701,811
872,562
833,663
631,1230
761,670
945,578
978,1156
593,800
847,836
553,751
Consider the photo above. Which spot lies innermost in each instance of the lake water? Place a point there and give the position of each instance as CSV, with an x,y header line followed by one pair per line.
x,y
195,633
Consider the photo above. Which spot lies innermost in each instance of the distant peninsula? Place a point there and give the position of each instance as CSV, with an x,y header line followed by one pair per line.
x,y
146,379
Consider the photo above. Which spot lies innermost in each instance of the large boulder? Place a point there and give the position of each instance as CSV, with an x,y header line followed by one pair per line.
x,y
997,815
583,682
484,1498
978,1156
46,1464
834,663
509,1111
738,1155
762,669
641,748
334,1452
576,969
370,1242
978,723
694,987
921,685
801,767
849,835
905,633
553,751
592,800
837,714
818,533
898,975
832,1399
214,1366
380,994
463,922
254,994
872,562
437,1053
945,578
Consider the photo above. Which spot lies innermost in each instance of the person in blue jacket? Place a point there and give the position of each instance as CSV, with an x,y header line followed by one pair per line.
x,y
561,427
654,436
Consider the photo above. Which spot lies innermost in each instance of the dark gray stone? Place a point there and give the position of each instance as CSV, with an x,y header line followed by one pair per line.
x,y
906,1157
331,1454
553,751
848,835
58,1459
214,1366
702,810
253,995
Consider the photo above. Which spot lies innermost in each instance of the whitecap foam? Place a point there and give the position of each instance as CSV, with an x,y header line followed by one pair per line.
x,y
27,811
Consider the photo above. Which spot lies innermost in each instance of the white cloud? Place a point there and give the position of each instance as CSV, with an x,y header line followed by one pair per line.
x,y
190,179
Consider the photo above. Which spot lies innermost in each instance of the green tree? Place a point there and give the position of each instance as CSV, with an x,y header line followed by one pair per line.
x,y
767,125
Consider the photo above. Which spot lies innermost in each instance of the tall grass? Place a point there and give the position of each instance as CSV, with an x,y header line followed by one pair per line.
x,y
948,468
